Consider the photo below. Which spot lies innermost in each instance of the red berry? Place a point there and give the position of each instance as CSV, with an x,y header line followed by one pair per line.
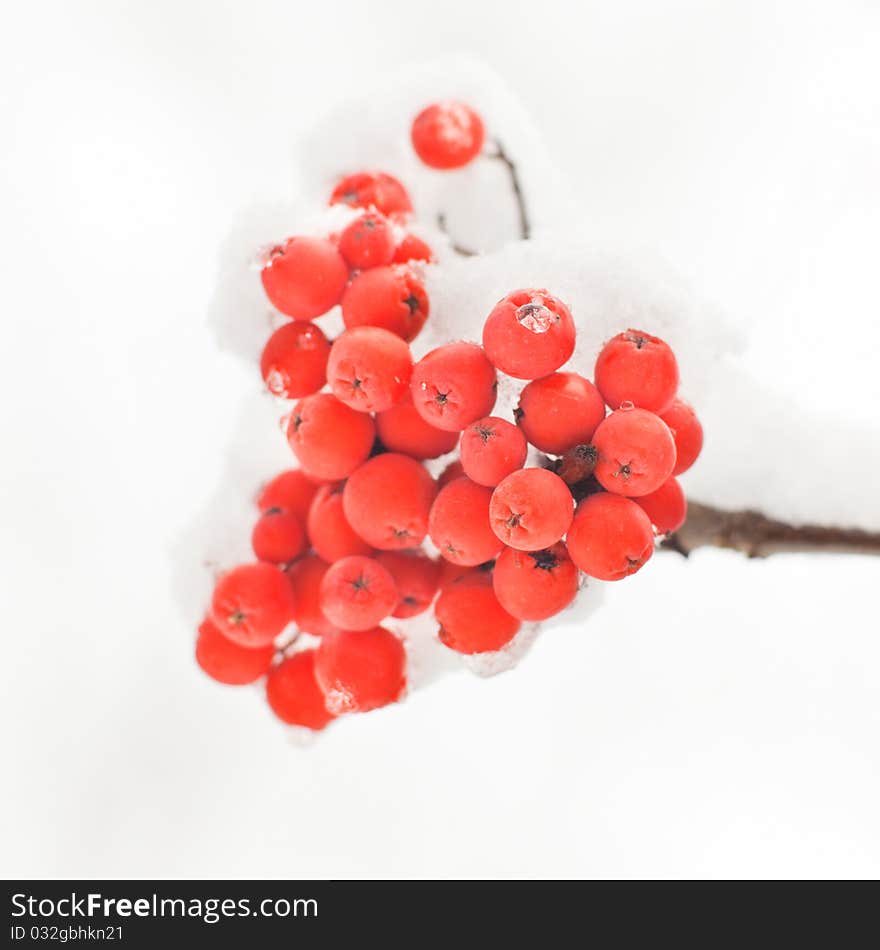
x,y
252,604
471,617
294,361
636,452
387,501
610,537
229,662
305,578
529,334
492,448
416,577
305,277
687,433
360,670
450,573
293,693
447,135
369,369
412,248
531,509
329,438
452,471
535,585
328,529
292,490
666,507
454,385
278,536
368,241
637,368
402,429
357,592
372,190
459,524
389,297
560,411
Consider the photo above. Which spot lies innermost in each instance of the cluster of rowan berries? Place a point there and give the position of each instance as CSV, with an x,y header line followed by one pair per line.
x,y
340,541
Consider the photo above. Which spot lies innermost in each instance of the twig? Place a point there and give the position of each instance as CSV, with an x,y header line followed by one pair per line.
x,y
525,228
756,535
458,248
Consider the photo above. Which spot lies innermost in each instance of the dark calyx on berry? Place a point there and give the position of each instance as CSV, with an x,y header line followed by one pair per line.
x,y
544,560
636,338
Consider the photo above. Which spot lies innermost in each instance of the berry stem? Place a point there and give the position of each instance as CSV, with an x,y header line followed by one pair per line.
x,y
525,228
756,535
458,248
500,155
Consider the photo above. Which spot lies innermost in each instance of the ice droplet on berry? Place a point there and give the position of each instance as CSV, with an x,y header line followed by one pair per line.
x,y
535,316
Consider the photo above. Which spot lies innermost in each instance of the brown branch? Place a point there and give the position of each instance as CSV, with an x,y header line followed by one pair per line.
x,y
525,228
756,535
499,155
458,248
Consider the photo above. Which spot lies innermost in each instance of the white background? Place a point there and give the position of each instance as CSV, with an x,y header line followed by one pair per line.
x,y
718,717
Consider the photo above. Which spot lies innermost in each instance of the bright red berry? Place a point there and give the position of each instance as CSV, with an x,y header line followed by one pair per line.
x,y
305,277
278,536
529,334
293,693
292,490
329,438
252,604
686,432
412,248
531,509
402,429
666,507
373,190
452,471
294,360
328,529
447,135
369,368
368,241
560,411
228,662
416,577
454,385
360,670
471,617
610,537
357,592
459,524
305,577
389,297
492,448
535,585
637,368
636,452
387,501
